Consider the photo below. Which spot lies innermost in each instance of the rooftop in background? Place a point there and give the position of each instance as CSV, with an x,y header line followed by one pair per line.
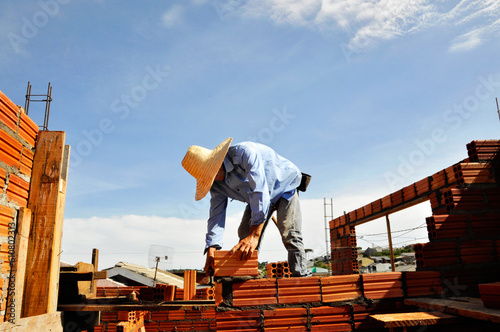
x,y
136,275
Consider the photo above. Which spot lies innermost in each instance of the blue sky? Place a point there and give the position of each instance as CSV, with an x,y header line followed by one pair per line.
x,y
366,96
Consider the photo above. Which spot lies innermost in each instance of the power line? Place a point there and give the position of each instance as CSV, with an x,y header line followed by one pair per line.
x,y
399,231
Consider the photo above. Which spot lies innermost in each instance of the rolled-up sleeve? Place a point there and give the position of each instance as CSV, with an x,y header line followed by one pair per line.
x,y
216,221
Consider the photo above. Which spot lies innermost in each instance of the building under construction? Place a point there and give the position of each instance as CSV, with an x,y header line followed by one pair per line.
x,y
456,285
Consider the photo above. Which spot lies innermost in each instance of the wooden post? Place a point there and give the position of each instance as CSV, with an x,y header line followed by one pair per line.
x,y
393,267
95,259
46,201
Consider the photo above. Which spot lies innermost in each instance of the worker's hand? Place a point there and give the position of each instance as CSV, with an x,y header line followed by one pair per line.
x,y
248,244
246,247
209,263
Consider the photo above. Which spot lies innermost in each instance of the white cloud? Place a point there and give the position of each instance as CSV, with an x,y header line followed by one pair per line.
x,y
128,238
476,37
466,42
367,22
172,17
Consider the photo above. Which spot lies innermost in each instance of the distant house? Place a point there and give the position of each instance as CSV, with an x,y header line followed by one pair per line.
x,y
381,259
379,267
109,283
137,275
363,263
408,257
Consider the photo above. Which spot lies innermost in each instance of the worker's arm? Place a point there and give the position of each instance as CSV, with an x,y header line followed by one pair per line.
x,y
247,245
215,229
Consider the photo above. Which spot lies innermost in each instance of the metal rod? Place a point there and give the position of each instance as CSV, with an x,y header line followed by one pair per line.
x,y
27,102
156,270
393,267
47,108
498,109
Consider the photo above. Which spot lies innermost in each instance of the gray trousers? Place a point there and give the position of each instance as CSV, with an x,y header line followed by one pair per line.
x,y
289,223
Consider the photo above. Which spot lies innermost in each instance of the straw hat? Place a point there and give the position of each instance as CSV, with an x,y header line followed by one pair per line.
x,y
204,164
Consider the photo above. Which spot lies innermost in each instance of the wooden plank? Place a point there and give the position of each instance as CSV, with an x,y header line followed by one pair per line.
x,y
414,319
46,201
77,275
86,286
388,224
18,270
49,322
461,306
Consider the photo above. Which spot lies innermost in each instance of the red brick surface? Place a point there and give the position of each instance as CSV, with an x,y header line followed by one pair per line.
x,y
227,264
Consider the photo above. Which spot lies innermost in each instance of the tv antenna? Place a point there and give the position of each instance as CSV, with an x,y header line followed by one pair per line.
x,y
161,257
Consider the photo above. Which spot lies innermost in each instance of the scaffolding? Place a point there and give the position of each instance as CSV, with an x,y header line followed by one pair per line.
x,y
328,217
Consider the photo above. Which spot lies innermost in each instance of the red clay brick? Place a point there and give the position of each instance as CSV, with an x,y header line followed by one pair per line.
x,y
28,130
299,290
285,318
9,112
26,162
3,176
254,292
18,190
340,288
249,320
227,264
10,149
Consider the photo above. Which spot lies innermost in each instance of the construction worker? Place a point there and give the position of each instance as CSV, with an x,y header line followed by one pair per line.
x,y
255,174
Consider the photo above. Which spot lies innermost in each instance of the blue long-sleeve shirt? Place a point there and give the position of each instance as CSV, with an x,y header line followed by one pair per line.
x,y
255,174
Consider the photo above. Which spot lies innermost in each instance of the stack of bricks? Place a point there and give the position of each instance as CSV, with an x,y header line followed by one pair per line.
x,y
161,292
201,319
344,245
18,134
330,303
342,317
319,303
483,150
207,293
278,270
326,290
463,229
490,294
135,322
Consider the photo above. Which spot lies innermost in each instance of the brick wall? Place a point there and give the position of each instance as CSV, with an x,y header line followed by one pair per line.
x,y
464,232
18,135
